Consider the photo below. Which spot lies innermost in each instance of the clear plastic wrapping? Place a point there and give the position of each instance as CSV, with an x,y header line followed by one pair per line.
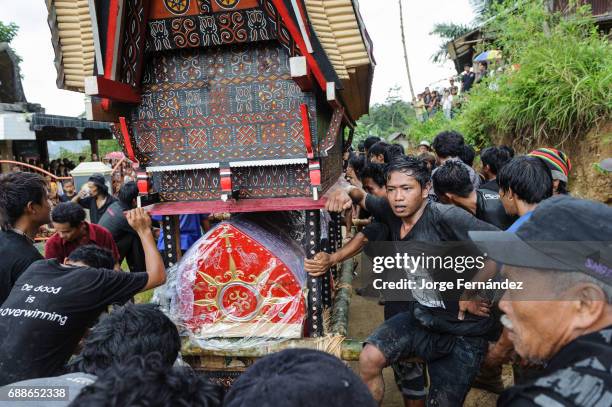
x,y
243,280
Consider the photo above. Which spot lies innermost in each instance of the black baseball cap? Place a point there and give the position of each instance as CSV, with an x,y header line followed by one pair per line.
x,y
563,234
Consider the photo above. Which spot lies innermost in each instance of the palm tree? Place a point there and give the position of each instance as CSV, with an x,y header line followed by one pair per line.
x,y
448,32
483,9
405,52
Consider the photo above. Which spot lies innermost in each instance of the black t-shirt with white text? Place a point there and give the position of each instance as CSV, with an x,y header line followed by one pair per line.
x,y
16,255
48,311
490,209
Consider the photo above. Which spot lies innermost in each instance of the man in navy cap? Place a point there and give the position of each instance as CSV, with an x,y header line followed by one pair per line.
x,y
562,314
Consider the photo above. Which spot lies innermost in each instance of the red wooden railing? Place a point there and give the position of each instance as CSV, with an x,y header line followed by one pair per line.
x,y
45,172
35,168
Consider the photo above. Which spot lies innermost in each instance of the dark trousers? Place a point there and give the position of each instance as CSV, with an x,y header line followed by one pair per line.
x,y
130,249
452,361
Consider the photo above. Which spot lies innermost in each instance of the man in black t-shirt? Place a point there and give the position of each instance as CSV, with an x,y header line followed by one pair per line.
x,y
452,185
453,348
68,189
52,304
97,199
125,236
493,159
24,208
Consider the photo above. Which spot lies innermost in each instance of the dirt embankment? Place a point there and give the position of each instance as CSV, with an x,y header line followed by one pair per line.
x,y
587,180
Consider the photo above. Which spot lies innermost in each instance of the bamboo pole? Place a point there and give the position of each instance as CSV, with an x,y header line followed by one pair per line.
x,y
405,51
342,300
349,348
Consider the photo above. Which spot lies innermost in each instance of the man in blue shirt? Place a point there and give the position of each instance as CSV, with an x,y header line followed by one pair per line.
x,y
191,230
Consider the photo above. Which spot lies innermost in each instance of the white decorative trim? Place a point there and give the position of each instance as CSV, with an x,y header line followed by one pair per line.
x,y
300,19
233,164
183,167
268,163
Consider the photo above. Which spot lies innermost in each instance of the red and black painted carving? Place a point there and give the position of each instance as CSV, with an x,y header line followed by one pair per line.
x,y
220,105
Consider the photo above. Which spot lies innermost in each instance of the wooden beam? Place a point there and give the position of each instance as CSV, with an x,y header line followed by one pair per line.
x,y
113,90
300,73
236,206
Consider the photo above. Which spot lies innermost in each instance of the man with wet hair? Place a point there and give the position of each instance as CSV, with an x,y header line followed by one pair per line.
x,y
493,159
24,208
452,185
368,143
524,182
432,330
450,145
376,153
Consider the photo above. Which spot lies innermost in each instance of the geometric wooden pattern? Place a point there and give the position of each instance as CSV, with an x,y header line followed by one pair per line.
x,y
249,182
228,104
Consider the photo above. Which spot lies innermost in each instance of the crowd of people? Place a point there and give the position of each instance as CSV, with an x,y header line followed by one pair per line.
x,y
440,197
55,328
448,99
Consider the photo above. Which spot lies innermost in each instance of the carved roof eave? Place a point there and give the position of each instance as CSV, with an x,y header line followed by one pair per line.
x,y
72,39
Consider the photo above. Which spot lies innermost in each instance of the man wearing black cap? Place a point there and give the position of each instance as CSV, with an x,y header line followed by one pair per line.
x,y
562,315
97,199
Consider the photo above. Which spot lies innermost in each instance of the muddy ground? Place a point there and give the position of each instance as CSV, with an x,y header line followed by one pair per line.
x,y
365,315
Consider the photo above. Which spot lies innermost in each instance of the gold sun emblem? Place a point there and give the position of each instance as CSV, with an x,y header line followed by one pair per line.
x,y
177,6
227,4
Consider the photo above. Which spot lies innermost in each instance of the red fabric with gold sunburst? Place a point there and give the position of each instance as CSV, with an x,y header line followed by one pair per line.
x,y
242,289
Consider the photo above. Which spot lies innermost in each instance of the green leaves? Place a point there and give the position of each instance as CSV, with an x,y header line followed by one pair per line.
x,y
8,32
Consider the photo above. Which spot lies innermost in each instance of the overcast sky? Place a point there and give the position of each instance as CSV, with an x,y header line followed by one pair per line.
x,y
33,44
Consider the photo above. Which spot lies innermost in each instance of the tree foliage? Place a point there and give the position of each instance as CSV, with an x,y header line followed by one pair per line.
x,y
447,32
395,115
556,83
8,32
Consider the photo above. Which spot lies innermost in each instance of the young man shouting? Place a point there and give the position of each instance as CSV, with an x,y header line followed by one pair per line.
x,y
452,348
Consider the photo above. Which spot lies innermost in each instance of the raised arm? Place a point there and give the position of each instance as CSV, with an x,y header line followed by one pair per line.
x,y
140,221
342,199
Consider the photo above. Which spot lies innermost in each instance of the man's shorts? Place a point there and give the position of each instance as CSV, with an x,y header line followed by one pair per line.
x,y
409,376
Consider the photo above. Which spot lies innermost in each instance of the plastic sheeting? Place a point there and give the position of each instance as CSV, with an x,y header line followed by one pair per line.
x,y
243,280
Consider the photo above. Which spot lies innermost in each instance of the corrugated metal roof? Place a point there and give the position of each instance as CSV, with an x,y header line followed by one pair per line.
x,y
336,25
72,37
